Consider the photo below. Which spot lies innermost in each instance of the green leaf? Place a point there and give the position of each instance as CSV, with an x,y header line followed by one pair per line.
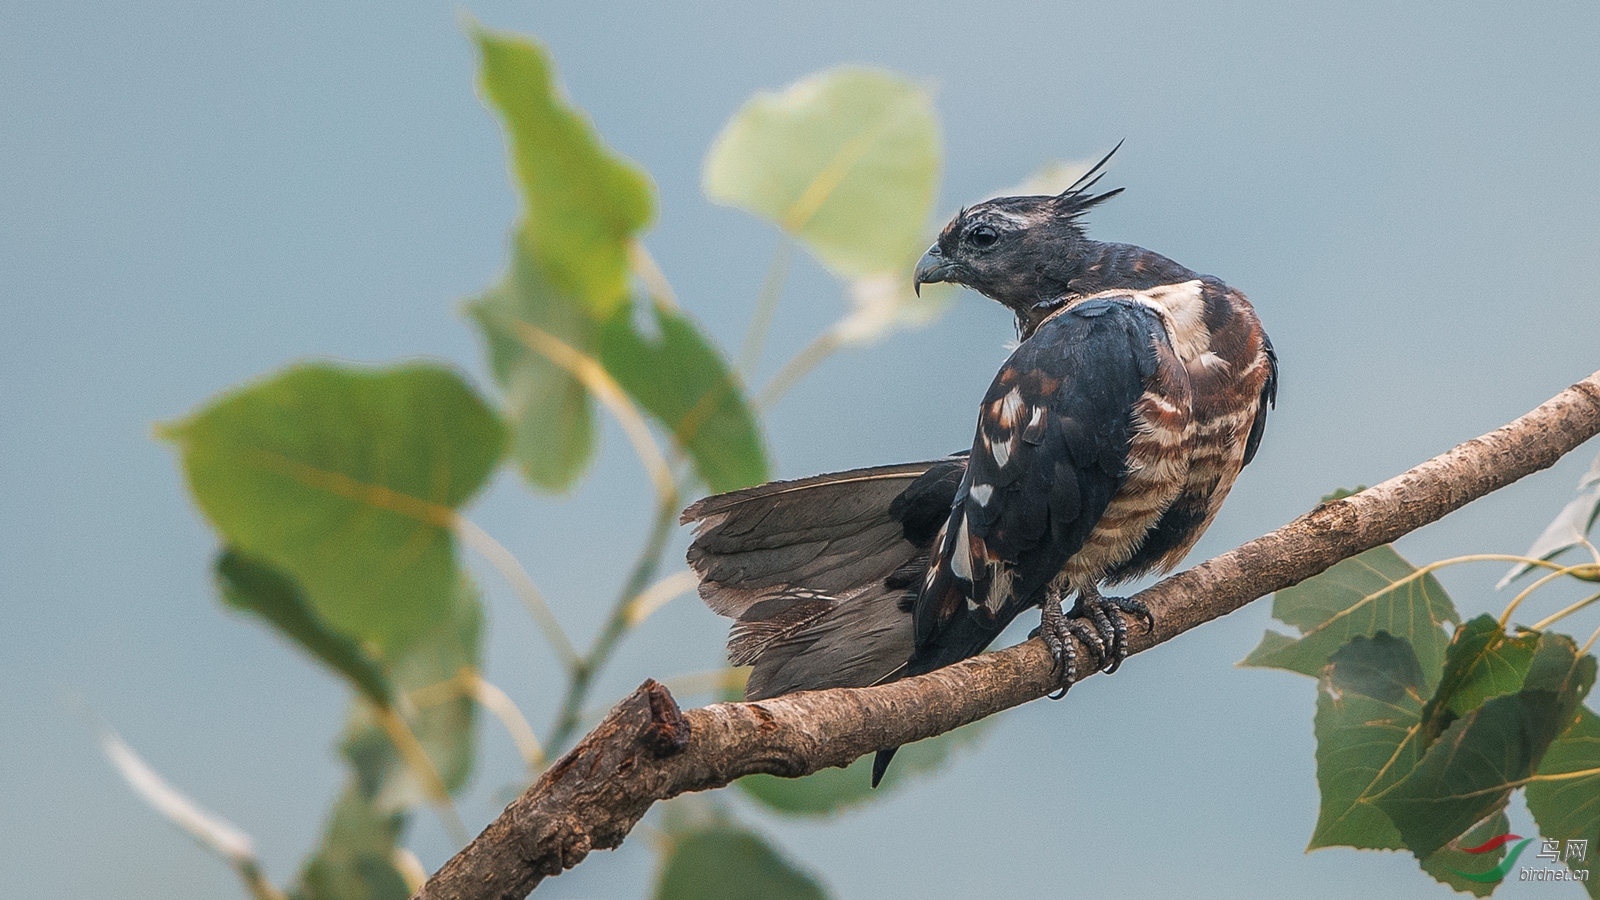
x,y
582,204
355,860
835,790
1358,596
1482,661
347,481
727,862
1365,743
1480,759
681,380
444,720
847,161
1449,862
1382,667
255,587
1569,528
1569,808
551,415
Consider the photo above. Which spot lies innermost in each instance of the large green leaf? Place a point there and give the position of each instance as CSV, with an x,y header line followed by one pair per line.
x,y
1482,661
835,790
551,415
1569,808
582,204
347,481
1480,759
680,379
355,860
445,724
1366,728
726,862
255,587
847,161
1358,597
1568,529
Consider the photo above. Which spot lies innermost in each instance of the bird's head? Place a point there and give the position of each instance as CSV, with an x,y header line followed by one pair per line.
x,y
1019,251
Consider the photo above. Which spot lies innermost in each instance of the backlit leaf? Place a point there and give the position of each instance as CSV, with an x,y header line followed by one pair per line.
x,y
549,411
847,161
581,203
727,862
1359,596
347,481
885,303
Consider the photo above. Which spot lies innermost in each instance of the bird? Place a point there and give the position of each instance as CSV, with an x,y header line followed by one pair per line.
x,y
1104,447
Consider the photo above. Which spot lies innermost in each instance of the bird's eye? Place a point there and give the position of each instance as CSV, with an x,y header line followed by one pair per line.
x,y
982,236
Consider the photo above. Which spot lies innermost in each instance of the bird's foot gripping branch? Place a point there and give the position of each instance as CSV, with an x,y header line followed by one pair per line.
x,y
647,750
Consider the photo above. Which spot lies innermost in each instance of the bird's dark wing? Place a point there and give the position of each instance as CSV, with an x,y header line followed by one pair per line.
x,y
815,571
1269,397
1050,452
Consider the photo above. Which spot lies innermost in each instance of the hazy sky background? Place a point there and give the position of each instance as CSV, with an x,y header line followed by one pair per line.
x,y
193,194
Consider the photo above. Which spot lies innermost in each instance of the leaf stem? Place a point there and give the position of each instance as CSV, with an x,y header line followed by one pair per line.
x,y
1551,620
821,347
422,768
505,709
522,583
615,626
755,336
655,280
469,682
648,601
599,382
1505,617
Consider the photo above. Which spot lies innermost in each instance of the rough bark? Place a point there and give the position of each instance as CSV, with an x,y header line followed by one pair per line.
x,y
647,749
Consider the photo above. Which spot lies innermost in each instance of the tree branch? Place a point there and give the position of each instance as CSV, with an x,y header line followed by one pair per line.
x,y
646,749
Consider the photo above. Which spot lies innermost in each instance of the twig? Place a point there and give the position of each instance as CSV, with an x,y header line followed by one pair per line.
x,y
522,583
616,624
755,337
821,347
647,750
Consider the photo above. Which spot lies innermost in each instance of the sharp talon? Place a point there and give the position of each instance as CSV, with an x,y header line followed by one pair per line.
x,y
1106,628
1056,630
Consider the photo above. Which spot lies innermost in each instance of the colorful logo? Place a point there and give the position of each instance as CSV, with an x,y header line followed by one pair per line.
x,y
1500,871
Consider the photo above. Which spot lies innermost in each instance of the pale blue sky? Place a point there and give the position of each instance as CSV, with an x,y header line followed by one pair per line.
x,y
196,193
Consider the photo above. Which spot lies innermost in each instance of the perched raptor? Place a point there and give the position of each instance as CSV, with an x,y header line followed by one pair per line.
x,y
1104,448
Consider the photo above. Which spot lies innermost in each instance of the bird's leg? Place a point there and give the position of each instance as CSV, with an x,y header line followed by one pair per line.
x,y
1058,630
1109,615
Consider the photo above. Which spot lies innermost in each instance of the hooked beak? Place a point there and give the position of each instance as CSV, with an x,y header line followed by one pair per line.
x,y
933,267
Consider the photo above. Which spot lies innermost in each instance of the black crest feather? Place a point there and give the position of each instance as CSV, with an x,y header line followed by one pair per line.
x,y
1076,199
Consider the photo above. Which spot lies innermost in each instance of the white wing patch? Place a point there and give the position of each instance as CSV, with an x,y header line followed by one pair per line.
x,y
961,555
1000,452
981,493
